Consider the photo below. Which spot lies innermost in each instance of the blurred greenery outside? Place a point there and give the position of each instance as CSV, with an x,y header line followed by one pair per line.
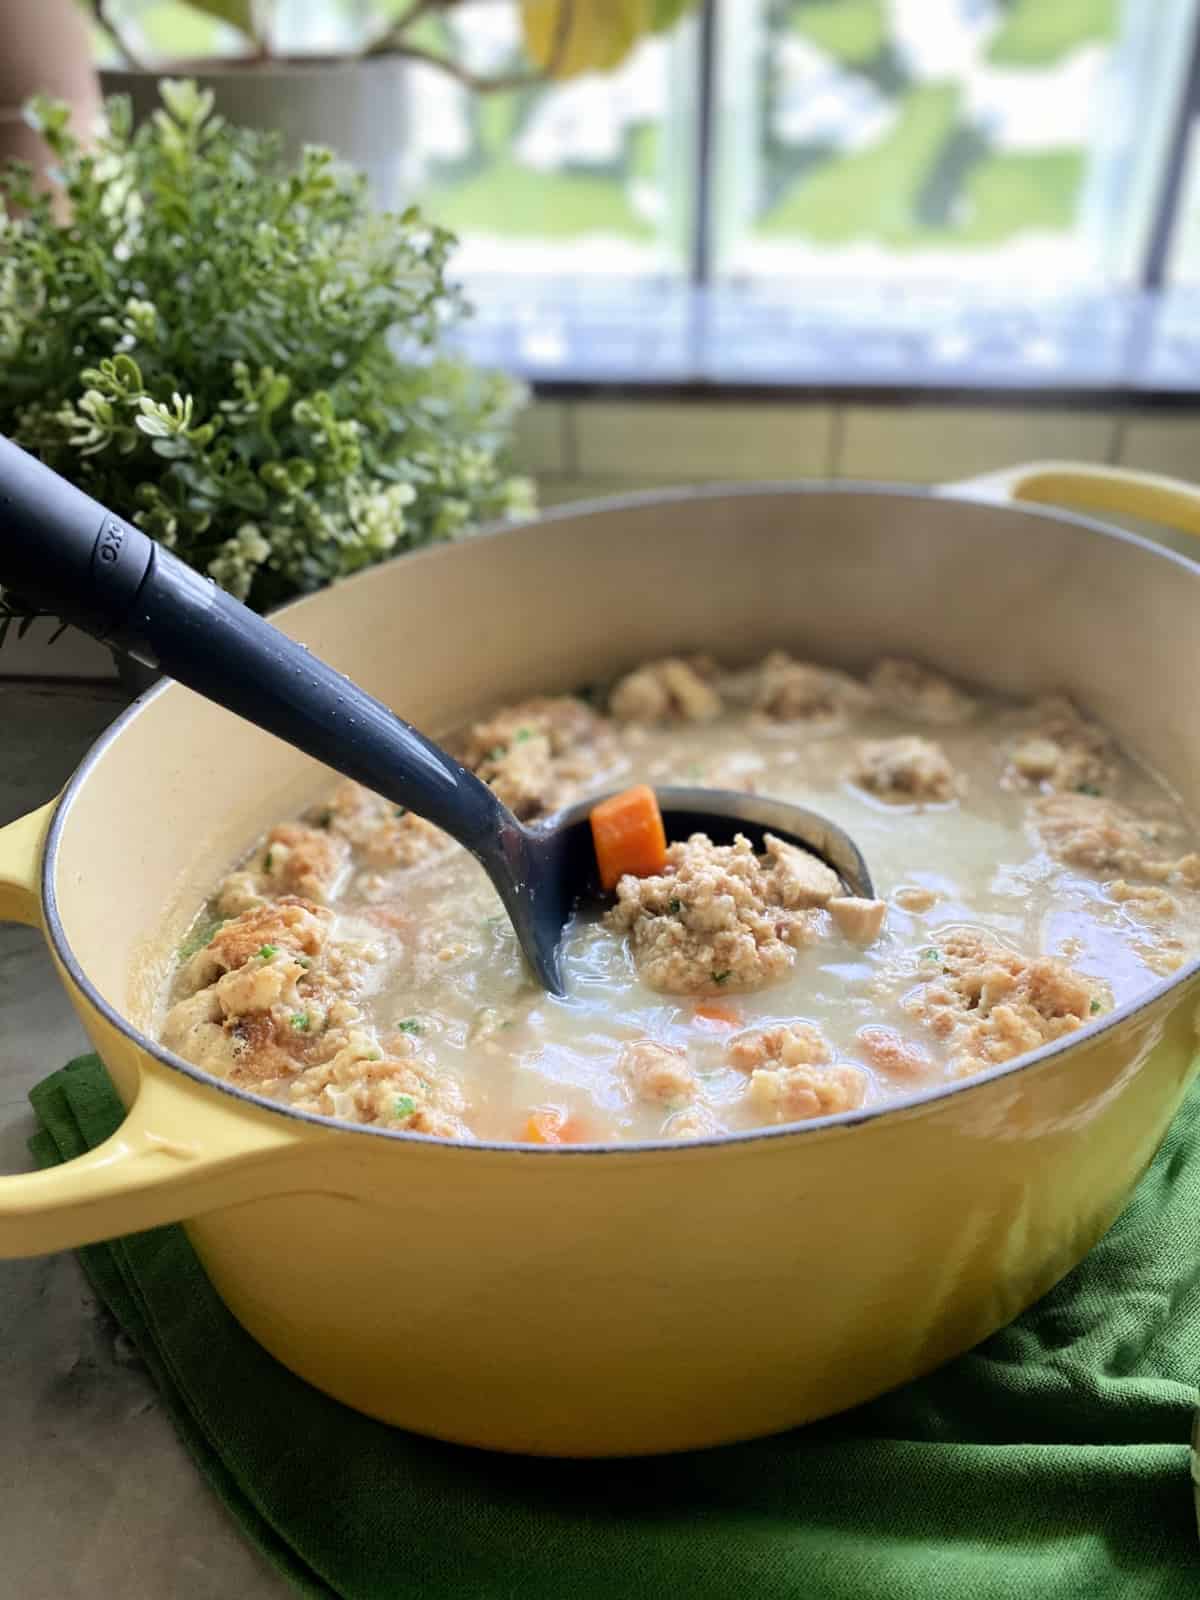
x,y
1037,34
930,180
851,31
174,30
510,199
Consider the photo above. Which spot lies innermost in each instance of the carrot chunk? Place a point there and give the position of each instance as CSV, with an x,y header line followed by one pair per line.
x,y
543,1126
628,833
548,1125
718,1013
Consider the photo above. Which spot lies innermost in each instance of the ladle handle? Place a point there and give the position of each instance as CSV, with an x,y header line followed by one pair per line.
x,y
62,551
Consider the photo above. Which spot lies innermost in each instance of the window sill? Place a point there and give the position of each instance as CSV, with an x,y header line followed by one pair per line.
x,y
571,337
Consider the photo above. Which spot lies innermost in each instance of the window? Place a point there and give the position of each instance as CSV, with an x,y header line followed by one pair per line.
x,y
587,176
938,138
956,191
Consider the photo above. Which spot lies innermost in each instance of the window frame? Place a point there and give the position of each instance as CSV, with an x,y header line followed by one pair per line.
x,y
1139,314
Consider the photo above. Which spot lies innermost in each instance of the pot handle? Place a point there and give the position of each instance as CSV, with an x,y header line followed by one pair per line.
x,y
178,1153
1082,486
20,859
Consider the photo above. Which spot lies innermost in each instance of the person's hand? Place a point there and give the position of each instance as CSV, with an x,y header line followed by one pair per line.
x,y
45,47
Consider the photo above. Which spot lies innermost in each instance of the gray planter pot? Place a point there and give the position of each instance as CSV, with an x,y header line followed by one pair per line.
x,y
360,109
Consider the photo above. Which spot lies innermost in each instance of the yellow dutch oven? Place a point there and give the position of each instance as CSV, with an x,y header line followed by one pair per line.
x,y
630,1298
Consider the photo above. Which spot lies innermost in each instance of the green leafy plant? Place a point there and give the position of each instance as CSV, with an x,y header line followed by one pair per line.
x,y
562,37
244,360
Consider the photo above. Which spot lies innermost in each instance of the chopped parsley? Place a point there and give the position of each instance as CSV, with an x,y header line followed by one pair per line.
x,y
375,1055
301,1021
1095,1006
266,951
674,907
324,818
497,752
401,811
522,734
304,961
1087,788
721,977
268,860
931,955
404,1105
410,1025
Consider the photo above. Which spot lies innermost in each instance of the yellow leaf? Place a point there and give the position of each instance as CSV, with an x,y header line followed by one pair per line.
x,y
599,33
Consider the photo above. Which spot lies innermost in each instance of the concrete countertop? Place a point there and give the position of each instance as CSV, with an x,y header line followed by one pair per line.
x,y
98,1498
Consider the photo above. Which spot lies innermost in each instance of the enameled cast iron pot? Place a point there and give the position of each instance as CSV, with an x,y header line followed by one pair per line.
x,y
628,1298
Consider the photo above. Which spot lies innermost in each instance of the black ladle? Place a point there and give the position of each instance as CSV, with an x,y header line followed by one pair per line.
x,y
63,552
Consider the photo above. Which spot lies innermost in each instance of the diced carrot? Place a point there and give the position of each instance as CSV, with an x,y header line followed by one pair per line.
x,y
628,833
543,1127
548,1125
718,1013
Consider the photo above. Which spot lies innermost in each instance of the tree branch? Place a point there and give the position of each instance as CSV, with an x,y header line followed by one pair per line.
x,y
477,83
416,10
392,42
110,25
391,32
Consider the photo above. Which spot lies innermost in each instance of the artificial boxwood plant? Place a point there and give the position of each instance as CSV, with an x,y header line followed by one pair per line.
x,y
245,360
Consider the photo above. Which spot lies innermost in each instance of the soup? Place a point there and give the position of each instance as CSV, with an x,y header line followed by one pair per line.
x,y
1031,876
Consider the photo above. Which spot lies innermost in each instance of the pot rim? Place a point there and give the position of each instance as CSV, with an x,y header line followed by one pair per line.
x,y
926,1100
244,67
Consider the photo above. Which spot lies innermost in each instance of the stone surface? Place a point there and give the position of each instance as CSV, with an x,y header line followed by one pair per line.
x,y
98,1498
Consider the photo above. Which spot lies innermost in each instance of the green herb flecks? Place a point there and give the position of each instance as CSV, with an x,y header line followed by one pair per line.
x,y
721,977
404,1105
522,734
410,1025
301,1021
266,951
269,861
931,955
324,818
1095,1007
674,907
1088,788
401,811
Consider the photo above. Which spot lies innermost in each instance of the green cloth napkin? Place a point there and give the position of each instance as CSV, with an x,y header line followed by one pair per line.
x,y
1052,1461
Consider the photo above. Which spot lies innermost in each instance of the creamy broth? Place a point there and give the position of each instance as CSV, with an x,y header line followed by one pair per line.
x,y
1004,836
